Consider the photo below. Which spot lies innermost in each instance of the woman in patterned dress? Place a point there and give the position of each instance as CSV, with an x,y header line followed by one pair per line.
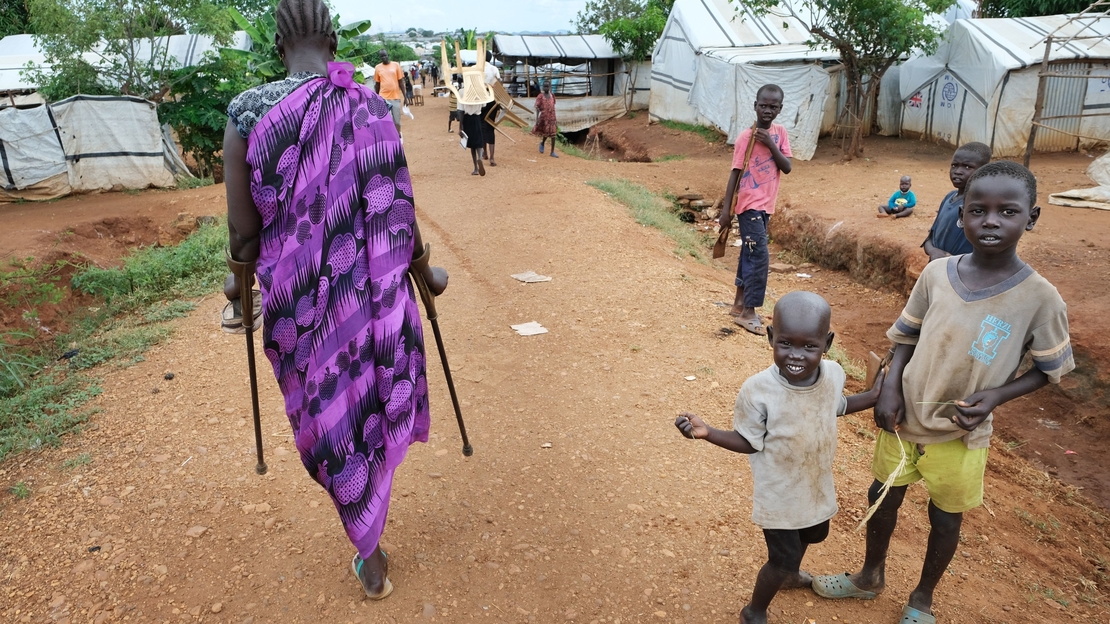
x,y
320,196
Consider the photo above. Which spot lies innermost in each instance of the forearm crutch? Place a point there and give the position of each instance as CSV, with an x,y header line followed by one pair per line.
x,y
244,275
416,271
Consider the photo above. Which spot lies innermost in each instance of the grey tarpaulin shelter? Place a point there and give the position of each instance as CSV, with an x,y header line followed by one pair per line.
x,y
83,144
590,80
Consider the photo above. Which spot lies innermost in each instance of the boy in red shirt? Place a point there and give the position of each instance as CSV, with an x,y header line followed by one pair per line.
x,y
755,195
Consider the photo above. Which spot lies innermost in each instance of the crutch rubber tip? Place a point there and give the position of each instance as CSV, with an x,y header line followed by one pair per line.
x,y
468,450
261,469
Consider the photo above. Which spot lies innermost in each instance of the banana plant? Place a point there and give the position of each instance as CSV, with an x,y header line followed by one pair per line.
x,y
263,59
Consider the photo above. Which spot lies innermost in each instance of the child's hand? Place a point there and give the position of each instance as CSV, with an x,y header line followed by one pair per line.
x,y
973,410
890,409
764,137
691,426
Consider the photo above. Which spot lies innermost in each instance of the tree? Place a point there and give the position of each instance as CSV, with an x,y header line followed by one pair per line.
x,y
1030,8
251,9
117,45
198,110
15,18
870,35
262,59
596,13
634,37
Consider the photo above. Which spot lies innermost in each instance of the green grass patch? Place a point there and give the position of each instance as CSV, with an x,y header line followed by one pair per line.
x,y
81,459
853,368
709,134
652,210
186,184
42,397
670,158
571,149
20,490
153,274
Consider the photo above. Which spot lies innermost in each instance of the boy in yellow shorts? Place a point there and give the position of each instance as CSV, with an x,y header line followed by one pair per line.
x,y
958,343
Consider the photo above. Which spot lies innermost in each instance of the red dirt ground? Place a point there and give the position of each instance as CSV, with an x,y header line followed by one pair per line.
x,y
619,520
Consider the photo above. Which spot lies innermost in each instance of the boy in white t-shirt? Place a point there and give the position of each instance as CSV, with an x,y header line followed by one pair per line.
x,y
785,421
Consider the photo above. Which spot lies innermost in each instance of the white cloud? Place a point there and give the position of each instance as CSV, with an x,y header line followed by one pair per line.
x,y
440,15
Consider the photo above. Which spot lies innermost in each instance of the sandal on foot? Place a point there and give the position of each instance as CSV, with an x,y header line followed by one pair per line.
x,y
541,148
481,168
387,587
753,326
231,319
840,586
913,616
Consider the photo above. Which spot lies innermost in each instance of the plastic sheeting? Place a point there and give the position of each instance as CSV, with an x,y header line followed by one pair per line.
x,y
16,51
1097,197
554,46
712,57
981,85
806,87
579,113
980,53
81,144
30,148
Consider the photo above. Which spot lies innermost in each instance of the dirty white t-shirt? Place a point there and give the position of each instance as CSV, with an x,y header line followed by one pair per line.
x,y
794,433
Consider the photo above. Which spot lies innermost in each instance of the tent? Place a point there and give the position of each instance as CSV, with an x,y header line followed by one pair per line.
x,y
714,55
81,144
590,80
981,85
16,51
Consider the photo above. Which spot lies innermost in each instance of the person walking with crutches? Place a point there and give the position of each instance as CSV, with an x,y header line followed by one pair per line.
x,y
340,322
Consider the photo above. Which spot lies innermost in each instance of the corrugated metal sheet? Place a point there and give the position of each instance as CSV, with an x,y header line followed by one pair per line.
x,y
1063,96
554,47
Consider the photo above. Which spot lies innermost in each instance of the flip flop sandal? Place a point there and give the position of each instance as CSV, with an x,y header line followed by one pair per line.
x,y
387,587
541,148
839,586
753,326
231,320
913,616
481,168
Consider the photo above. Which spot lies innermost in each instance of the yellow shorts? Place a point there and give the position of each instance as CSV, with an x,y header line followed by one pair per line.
x,y
953,473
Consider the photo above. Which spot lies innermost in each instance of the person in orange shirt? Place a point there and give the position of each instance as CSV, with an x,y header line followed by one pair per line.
x,y
387,82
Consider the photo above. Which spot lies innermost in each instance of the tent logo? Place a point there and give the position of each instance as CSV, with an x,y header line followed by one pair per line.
x,y
915,101
949,91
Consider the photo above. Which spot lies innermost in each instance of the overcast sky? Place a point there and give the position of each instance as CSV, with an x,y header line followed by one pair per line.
x,y
440,15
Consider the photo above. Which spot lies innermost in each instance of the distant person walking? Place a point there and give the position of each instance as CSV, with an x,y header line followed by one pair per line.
x,y
546,126
435,74
492,75
388,76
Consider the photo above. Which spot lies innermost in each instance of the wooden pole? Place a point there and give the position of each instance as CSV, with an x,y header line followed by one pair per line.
x,y
1038,106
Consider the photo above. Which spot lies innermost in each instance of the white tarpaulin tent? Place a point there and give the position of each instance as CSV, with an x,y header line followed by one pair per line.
x,y
16,51
981,85
82,144
714,54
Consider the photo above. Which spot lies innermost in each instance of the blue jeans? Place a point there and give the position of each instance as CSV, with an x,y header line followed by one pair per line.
x,y
751,271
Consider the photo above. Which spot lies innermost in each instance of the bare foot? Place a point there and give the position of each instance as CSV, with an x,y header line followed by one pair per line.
x,y
373,574
750,616
875,584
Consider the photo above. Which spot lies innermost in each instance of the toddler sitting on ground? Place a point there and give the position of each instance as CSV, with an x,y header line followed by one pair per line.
x,y
901,203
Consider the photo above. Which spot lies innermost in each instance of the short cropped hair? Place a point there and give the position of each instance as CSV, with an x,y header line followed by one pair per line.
x,y
1009,169
772,88
299,19
982,150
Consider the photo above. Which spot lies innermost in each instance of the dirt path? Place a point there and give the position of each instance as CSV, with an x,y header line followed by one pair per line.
x,y
582,503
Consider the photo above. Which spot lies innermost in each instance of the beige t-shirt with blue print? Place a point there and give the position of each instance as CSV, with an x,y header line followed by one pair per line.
x,y
969,341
